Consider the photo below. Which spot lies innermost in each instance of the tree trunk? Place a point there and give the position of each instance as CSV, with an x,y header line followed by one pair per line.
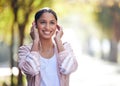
x,y
113,51
11,53
115,38
21,35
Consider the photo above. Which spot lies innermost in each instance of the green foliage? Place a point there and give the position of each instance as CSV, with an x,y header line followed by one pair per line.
x,y
108,17
16,15
6,18
104,17
21,17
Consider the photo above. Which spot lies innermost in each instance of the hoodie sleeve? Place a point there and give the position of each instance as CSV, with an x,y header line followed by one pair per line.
x,y
67,60
28,61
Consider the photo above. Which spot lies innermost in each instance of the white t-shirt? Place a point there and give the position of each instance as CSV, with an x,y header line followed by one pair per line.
x,y
48,69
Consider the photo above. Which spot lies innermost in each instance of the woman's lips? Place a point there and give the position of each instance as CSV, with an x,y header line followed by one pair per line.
x,y
47,32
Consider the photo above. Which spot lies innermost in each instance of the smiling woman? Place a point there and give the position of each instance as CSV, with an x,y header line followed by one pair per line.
x,y
47,62
46,25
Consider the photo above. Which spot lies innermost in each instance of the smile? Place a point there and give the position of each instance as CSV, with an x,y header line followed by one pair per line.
x,y
47,32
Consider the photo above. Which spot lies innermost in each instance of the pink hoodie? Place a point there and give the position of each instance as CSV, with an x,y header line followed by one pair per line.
x,y
29,63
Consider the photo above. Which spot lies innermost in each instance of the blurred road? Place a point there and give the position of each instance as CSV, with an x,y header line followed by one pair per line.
x,y
94,72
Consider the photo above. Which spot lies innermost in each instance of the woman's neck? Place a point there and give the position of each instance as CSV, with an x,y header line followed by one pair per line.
x,y
46,45
46,48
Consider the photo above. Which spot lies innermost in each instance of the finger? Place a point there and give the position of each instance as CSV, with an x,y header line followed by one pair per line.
x,y
56,32
58,27
61,29
33,23
31,29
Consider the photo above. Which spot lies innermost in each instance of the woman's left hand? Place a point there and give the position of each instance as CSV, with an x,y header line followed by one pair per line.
x,y
58,36
59,33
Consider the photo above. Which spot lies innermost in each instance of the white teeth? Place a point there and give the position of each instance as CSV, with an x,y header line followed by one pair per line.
x,y
47,32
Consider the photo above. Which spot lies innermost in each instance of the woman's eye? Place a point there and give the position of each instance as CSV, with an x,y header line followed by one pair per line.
x,y
52,22
42,22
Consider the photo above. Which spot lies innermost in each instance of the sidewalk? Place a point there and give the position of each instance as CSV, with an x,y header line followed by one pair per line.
x,y
94,72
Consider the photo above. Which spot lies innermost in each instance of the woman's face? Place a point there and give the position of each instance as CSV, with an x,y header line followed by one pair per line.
x,y
46,25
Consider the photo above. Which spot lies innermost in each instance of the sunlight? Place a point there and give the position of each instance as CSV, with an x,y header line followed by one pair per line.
x,y
5,71
8,71
15,71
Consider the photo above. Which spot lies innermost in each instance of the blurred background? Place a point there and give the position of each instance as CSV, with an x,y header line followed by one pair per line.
x,y
91,26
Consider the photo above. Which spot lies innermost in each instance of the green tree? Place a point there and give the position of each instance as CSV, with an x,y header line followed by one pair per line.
x,y
108,16
16,14
22,10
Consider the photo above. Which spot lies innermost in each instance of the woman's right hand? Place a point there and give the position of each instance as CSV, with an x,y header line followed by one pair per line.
x,y
34,32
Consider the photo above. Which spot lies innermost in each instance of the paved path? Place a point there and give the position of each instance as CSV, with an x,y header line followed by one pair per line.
x,y
94,72
91,71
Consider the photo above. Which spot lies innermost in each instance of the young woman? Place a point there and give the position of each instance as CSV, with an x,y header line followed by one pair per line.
x,y
47,61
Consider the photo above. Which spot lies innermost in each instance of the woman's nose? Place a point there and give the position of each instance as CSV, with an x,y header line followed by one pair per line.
x,y
47,26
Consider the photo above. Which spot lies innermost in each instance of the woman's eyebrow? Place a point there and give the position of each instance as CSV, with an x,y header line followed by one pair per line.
x,y
53,20
45,20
